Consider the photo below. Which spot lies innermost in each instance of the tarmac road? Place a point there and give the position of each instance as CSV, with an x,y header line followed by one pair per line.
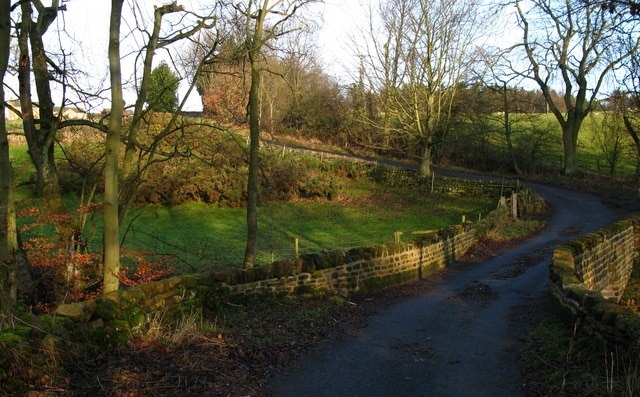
x,y
459,339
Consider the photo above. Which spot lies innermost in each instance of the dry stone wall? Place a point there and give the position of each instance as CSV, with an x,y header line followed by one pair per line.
x,y
367,268
589,274
362,269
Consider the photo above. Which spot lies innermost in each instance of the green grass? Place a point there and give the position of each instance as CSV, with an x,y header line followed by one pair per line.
x,y
204,236
208,236
591,158
23,169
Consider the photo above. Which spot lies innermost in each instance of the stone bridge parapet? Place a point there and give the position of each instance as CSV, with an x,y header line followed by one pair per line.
x,y
589,275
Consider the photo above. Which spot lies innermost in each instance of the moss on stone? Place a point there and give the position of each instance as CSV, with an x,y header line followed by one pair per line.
x,y
116,333
134,293
23,331
133,316
306,290
333,258
378,283
107,309
308,263
564,256
568,277
55,324
358,253
190,281
429,268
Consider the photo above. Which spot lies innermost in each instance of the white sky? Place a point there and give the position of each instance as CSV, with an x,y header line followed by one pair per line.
x,y
88,22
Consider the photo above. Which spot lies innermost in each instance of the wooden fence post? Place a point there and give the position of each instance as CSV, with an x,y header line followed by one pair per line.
x,y
396,236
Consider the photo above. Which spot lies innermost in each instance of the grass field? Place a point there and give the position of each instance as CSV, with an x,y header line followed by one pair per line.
x,y
592,145
205,236
364,213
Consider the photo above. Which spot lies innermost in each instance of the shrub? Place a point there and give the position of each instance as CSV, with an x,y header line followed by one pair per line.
x,y
281,177
212,168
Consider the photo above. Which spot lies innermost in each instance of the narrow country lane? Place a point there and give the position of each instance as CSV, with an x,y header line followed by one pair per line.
x,y
459,339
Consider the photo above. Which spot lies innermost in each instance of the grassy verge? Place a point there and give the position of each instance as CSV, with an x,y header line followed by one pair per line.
x,y
201,235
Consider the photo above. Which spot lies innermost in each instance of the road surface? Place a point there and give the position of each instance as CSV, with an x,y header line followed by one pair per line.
x,y
459,339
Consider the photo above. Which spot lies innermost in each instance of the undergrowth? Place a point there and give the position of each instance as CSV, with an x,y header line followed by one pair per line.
x,y
559,360
230,348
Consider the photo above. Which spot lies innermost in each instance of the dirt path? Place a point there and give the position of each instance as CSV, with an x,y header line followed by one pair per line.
x,y
459,338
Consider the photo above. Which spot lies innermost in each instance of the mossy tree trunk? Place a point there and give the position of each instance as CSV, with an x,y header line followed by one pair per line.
x,y
8,231
40,132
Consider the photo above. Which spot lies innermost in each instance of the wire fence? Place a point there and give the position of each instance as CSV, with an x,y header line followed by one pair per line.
x,y
193,253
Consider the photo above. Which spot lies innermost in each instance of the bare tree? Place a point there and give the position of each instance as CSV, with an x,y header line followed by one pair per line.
x,y
611,140
416,64
41,123
41,120
40,131
122,182
500,80
625,103
575,45
141,153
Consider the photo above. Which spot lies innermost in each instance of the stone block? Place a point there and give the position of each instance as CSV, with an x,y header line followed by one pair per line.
x,y
281,269
79,311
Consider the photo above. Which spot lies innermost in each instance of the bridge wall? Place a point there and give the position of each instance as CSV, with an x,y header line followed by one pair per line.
x,y
588,277
357,270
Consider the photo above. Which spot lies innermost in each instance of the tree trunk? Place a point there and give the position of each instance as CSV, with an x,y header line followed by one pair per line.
x,y
48,184
131,175
636,144
254,168
8,231
570,143
570,158
507,131
254,146
41,135
111,224
512,154
425,161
